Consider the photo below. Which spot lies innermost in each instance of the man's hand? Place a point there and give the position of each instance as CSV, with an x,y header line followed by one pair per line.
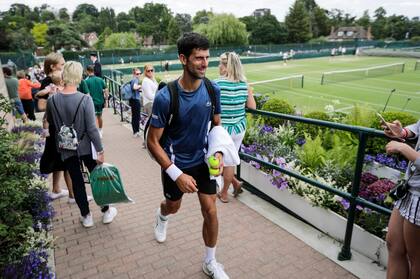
x,y
219,156
186,183
394,147
393,130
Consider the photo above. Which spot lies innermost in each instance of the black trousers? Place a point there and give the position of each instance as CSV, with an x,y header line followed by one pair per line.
x,y
29,108
73,166
135,115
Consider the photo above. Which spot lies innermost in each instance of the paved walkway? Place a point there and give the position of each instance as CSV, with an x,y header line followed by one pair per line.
x,y
249,246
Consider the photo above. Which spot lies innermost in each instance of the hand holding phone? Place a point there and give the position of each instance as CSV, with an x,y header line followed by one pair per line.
x,y
392,130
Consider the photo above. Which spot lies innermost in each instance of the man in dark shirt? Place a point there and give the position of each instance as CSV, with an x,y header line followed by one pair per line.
x,y
97,66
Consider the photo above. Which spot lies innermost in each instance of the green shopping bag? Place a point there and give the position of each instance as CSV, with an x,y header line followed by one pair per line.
x,y
107,186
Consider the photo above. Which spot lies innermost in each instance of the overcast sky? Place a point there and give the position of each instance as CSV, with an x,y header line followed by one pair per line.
x,y
279,8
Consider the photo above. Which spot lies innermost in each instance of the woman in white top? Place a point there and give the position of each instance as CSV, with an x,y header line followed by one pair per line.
x,y
149,86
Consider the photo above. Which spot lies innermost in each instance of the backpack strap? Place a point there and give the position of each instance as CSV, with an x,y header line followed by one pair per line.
x,y
212,95
77,110
55,107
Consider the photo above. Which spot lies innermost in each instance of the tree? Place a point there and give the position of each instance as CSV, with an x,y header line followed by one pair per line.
x,y
267,30
61,35
87,24
85,9
101,39
125,23
21,41
39,32
107,18
379,28
184,22
249,22
174,32
120,40
224,29
47,16
63,14
397,26
202,17
364,20
152,20
321,26
298,23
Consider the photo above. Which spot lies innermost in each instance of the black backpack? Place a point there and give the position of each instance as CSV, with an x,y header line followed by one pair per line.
x,y
174,109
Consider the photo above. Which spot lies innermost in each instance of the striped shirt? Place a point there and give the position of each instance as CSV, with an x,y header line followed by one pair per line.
x,y
233,97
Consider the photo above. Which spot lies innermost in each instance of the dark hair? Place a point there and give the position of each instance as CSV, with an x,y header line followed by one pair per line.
x,y
94,54
161,85
190,41
90,69
7,71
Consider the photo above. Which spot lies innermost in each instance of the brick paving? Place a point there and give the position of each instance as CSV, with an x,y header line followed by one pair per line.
x,y
249,245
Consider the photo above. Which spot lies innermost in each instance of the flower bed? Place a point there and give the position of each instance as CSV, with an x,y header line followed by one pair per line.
x,y
327,156
25,209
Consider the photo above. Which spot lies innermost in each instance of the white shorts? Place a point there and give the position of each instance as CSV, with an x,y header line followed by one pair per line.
x,y
237,140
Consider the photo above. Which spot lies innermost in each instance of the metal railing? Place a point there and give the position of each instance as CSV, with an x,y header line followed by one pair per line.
x,y
353,197
118,104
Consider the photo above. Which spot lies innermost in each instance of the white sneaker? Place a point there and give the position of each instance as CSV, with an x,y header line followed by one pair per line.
x,y
215,270
62,193
160,228
109,215
136,135
73,201
87,221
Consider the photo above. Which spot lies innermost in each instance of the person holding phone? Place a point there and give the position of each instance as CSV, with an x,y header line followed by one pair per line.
x,y
403,237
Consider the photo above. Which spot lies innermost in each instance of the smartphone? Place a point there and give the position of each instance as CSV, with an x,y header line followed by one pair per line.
x,y
383,121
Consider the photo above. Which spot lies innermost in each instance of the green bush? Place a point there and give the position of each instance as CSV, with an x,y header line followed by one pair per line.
x,y
313,130
276,105
415,39
377,145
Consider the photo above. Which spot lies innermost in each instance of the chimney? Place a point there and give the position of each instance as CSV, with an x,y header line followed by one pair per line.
x,y
369,33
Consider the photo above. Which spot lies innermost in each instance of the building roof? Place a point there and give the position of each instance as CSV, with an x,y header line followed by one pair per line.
x,y
350,33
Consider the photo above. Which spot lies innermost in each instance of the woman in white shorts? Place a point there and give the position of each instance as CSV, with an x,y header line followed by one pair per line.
x,y
235,95
403,238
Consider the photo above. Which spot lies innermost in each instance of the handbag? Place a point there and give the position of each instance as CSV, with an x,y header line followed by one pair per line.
x,y
400,190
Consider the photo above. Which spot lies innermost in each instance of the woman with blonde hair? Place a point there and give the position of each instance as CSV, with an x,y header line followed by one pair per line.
x,y
74,108
149,86
235,95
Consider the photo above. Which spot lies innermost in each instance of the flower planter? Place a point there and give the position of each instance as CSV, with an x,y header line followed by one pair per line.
x,y
382,171
325,220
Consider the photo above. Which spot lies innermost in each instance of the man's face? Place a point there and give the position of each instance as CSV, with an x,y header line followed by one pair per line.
x,y
92,58
196,64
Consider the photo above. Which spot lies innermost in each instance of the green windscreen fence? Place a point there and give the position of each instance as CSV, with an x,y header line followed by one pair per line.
x,y
276,85
349,75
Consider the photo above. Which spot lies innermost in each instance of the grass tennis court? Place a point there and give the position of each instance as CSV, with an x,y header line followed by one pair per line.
x,y
372,91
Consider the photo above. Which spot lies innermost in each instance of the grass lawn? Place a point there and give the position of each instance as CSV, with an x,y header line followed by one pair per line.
x,y
372,92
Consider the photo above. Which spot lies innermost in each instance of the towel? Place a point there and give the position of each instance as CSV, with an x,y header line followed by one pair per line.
x,y
220,140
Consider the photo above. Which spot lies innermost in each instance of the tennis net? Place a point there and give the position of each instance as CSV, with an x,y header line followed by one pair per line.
x,y
278,84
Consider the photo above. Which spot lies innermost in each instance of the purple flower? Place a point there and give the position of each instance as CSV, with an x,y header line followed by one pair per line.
x,y
300,141
255,164
369,158
267,129
345,203
280,161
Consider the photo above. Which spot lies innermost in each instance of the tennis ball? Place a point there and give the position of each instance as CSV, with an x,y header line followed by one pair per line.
x,y
214,172
213,162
